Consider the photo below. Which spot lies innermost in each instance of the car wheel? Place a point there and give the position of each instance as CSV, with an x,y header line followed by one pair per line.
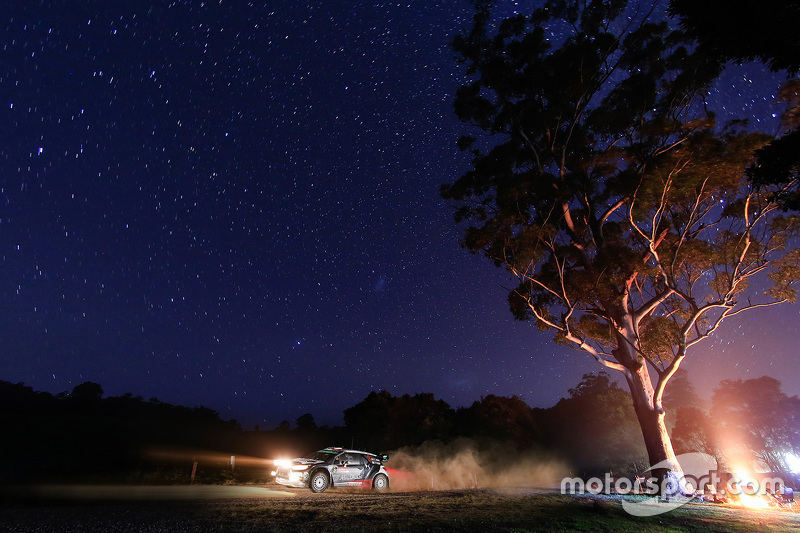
x,y
318,482
380,483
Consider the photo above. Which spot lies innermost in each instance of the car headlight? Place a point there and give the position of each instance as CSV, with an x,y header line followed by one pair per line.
x,y
299,467
282,462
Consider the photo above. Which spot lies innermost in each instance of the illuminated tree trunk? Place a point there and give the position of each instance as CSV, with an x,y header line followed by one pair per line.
x,y
651,420
649,410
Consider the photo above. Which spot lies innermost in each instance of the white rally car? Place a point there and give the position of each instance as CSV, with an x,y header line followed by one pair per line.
x,y
334,467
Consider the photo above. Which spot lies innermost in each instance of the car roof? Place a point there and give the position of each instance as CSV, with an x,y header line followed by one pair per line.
x,y
337,449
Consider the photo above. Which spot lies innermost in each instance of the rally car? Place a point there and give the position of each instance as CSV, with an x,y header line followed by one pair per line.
x,y
334,467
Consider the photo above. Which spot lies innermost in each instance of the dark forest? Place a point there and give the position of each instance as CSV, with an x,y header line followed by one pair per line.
x,y
82,436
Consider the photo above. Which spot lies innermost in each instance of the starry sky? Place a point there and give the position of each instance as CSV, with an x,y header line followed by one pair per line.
x,y
235,204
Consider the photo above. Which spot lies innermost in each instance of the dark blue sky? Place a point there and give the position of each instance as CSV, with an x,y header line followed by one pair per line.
x,y
224,204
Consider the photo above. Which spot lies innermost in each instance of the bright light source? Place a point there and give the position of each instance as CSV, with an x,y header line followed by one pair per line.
x,y
793,462
749,492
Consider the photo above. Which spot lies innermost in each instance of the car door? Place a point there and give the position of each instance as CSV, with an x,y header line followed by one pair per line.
x,y
356,467
347,467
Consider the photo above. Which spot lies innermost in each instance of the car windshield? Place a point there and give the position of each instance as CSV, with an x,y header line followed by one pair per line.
x,y
322,455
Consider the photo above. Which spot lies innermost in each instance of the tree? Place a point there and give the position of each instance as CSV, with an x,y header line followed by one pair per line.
x,y
87,392
499,418
778,163
607,191
382,421
679,395
596,427
768,33
758,421
305,422
681,392
694,432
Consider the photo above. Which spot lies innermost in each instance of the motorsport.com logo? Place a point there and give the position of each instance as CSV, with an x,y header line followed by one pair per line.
x,y
671,492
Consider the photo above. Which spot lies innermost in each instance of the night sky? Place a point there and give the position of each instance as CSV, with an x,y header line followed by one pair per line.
x,y
236,206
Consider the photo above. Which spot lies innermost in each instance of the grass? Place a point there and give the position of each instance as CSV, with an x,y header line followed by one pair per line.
x,y
482,510
261,508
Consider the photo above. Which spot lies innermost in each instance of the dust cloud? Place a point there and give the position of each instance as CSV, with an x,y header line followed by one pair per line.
x,y
465,464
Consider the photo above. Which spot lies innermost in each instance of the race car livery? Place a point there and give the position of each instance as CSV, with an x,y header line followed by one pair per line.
x,y
334,467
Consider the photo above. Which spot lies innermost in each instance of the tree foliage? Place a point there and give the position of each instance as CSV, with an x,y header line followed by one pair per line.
x,y
757,420
681,392
595,427
382,421
79,437
752,425
768,33
83,436
694,432
499,418
778,163
611,194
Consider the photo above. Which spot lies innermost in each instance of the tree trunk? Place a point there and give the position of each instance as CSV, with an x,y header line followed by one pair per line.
x,y
651,421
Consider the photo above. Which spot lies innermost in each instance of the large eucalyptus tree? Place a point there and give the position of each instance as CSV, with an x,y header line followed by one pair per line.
x,y
602,183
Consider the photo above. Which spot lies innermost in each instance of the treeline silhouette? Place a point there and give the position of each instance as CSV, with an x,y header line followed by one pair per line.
x,y
83,436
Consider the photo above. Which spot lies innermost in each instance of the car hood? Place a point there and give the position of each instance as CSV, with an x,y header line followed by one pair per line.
x,y
306,461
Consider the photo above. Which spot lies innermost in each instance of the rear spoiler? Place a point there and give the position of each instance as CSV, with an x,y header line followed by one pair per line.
x,y
383,457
